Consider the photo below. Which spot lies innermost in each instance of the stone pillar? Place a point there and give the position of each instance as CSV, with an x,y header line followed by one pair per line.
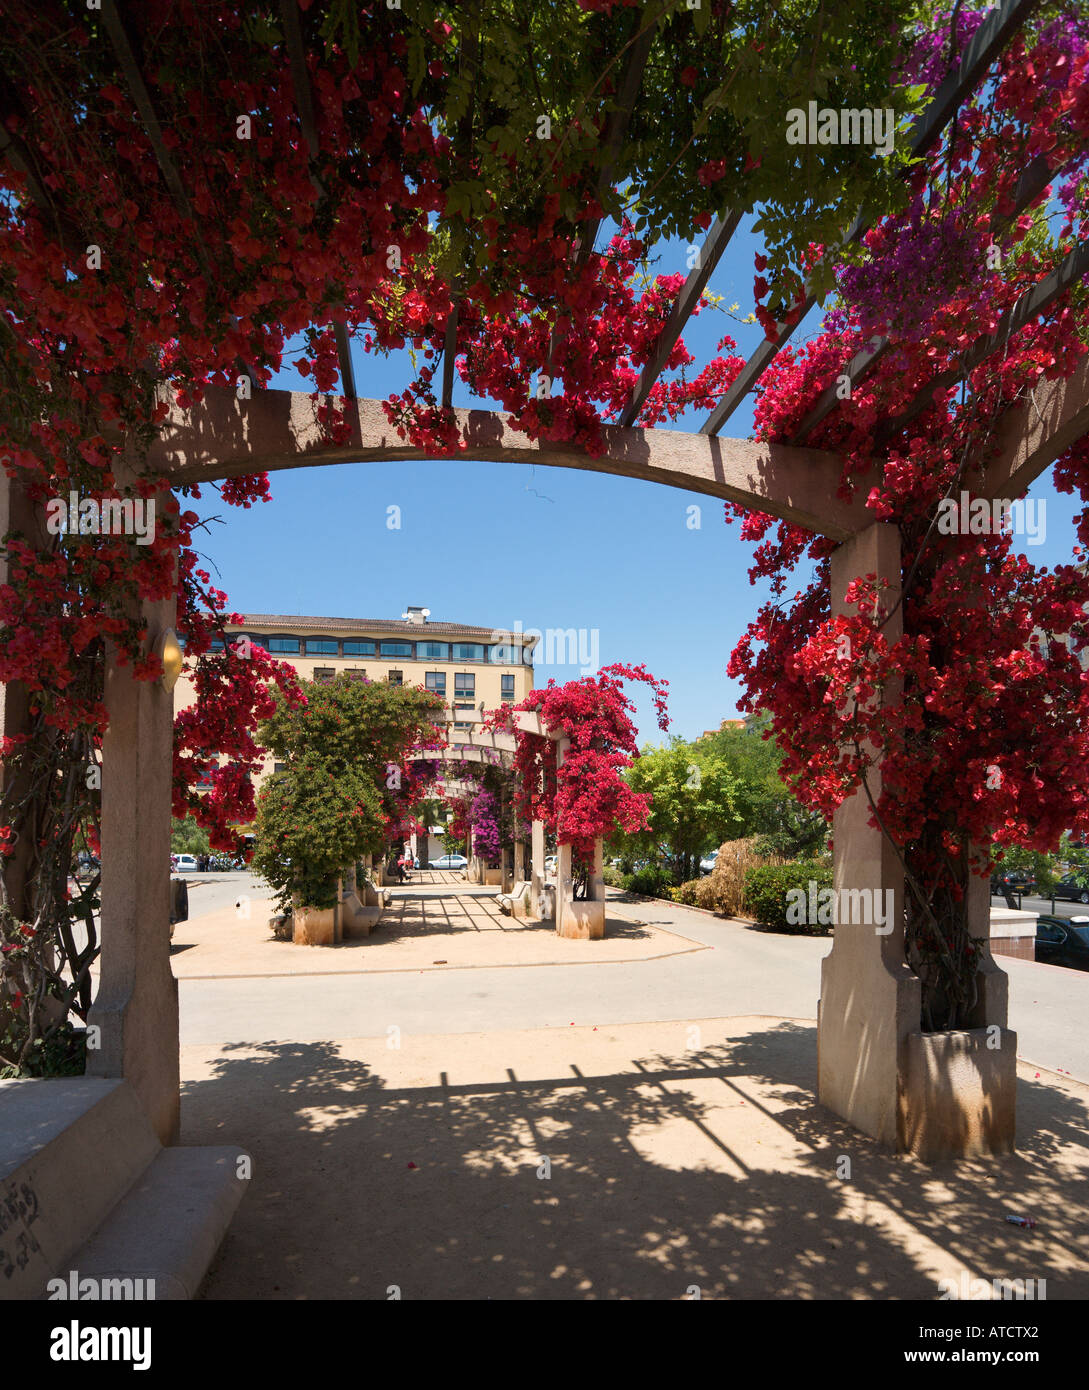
x,y
17,513
519,871
870,1000
506,883
137,1002
537,864
582,919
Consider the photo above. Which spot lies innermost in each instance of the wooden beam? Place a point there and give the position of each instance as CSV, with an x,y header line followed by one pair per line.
x,y
1033,302
718,238
1033,434
276,430
988,41
1030,186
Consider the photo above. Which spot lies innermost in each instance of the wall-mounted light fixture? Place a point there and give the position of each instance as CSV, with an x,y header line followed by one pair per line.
x,y
170,654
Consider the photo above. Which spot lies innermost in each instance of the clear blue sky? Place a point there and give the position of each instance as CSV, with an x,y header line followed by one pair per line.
x,y
495,544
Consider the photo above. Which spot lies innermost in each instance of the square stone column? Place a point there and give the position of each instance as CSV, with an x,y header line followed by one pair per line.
x,y
581,919
870,1000
136,1007
537,865
17,513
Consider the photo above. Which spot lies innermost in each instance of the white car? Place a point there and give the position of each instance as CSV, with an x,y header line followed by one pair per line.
x,y
551,862
708,862
187,864
449,861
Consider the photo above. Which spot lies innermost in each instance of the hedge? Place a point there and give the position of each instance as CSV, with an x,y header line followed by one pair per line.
x,y
766,894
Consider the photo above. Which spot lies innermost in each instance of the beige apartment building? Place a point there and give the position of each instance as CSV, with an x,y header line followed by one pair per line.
x,y
472,668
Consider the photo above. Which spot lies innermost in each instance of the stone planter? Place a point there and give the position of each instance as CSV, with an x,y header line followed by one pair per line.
x,y
582,920
315,926
493,878
958,1093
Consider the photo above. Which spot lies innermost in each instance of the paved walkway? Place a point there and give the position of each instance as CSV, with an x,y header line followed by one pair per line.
x,y
427,926
679,1157
399,1125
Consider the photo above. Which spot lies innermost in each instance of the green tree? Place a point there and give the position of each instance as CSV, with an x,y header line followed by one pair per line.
x,y
773,812
697,802
344,753
187,837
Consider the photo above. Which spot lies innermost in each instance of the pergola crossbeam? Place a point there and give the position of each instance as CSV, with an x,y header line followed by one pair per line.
x,y
275,430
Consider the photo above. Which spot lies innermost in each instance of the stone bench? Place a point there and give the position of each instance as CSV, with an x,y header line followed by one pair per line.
x,y
88,1192
517,898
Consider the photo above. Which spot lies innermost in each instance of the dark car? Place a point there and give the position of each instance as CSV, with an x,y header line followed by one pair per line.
x,y
1063,941
1069,887
1013,881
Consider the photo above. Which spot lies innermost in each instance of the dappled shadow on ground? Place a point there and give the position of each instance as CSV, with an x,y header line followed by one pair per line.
x,y
713,1168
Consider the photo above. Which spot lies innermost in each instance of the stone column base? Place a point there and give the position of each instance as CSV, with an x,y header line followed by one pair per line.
x,y
958,1094
315,926
582,920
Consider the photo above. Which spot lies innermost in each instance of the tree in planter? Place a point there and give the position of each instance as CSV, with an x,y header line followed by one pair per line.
x,y
586,798
341,790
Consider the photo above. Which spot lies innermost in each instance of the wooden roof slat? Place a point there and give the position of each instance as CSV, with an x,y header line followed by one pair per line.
x,y
718,238
1032,182
1034,301
987,42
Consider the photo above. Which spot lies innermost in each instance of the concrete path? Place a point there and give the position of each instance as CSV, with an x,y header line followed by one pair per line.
x,y
633,1161
742,972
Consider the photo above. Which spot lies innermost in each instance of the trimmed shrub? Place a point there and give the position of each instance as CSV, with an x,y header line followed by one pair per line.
x,y
612,877
647,883
766,891
723,889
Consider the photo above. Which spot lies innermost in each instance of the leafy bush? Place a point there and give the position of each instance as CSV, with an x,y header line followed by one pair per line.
x,y
613,878
766,891
647,883
723,889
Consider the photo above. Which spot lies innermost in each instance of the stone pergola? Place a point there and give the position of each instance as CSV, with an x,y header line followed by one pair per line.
x,y
875,1064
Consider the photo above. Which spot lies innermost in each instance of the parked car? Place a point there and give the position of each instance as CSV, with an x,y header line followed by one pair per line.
x,y
1013,881
449,861
1069,887
1063,941
708,862
186,864
551,862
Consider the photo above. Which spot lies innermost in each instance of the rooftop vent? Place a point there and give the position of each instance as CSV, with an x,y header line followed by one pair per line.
x,y
419,616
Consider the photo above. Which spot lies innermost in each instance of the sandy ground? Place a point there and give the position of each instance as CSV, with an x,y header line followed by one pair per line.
x,y
425,928
681,1156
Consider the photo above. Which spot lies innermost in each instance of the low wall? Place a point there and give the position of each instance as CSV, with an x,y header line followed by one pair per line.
x,y
1013,933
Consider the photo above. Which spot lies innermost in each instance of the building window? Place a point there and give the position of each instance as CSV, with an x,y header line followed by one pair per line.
x,y
396,648
283,644
323,646
507,691
324,675
354,648
356,675
396,678
457,724
436,681
465,685
432,651
505,654
278,767
468,651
